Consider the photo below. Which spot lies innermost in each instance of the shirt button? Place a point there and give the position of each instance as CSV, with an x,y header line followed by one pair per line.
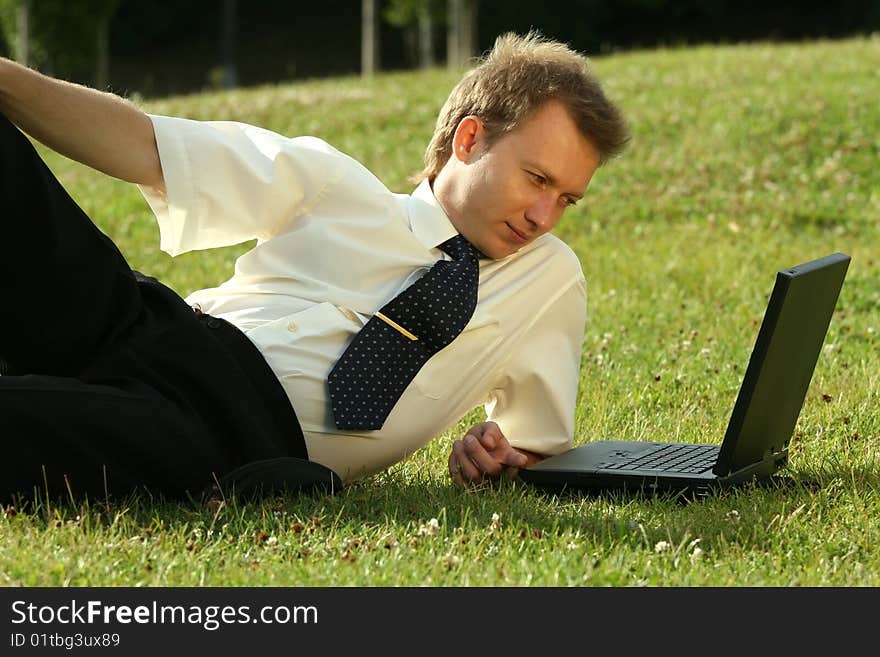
x,y
291,326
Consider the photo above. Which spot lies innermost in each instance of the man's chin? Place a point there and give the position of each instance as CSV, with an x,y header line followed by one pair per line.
x,y
500,254
499,249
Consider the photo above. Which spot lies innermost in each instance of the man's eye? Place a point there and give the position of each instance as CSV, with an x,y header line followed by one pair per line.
x,y
570,202
538,178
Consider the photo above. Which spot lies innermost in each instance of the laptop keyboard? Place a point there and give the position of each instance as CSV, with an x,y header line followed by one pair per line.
x,y
670,458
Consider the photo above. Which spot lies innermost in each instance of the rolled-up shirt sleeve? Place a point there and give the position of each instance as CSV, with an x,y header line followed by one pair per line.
x,y
229,182
534,400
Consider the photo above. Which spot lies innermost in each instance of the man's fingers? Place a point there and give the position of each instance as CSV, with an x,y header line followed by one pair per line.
x,y
497,448
488,433
483,453
514,458
465,466
486,437
455,471
487,462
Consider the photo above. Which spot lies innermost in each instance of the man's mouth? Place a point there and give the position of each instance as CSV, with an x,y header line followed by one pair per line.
x,y
517,235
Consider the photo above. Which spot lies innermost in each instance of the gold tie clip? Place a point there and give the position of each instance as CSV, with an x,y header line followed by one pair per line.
x,y
396,326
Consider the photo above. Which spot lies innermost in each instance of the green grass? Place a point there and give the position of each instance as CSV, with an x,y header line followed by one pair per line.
x,y
745,160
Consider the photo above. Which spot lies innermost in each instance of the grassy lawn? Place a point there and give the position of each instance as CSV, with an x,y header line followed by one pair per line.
x,y
745,160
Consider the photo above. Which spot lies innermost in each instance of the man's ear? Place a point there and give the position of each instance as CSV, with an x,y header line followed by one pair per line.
x,y
468,135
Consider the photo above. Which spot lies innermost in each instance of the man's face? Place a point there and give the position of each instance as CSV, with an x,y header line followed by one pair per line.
x,y
505,196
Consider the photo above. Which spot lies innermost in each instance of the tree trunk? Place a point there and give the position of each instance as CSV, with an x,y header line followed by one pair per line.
x,y
228,38
369,37
426,36
23,32
454,11
102,63
469,31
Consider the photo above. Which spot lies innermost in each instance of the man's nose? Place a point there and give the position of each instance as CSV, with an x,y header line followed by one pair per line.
x,y
543,213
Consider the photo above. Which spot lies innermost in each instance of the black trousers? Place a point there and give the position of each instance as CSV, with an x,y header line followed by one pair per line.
x,y
111,382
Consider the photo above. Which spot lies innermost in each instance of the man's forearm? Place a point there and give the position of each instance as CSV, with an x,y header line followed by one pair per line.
x,y
98,129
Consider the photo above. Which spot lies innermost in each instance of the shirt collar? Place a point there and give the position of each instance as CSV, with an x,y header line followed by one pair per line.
x,y
427,218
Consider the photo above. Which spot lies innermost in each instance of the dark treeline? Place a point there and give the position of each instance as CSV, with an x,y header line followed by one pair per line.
x,y
160,47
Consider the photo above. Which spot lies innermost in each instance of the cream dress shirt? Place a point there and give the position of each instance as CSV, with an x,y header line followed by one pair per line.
x,y
333,246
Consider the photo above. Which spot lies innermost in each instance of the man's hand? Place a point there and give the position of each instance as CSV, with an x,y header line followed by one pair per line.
x,y
484,453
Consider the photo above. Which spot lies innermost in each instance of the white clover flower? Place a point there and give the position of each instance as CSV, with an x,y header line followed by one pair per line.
x,y
662,546
431,529
495,525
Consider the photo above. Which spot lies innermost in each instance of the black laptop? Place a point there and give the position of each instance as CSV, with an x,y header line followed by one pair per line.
x,y
770,399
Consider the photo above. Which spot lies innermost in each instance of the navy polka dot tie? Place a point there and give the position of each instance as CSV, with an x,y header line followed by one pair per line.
x,y
391,348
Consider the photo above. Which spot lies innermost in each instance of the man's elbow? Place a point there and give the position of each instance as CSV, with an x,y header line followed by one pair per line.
x,y
149,168
154,179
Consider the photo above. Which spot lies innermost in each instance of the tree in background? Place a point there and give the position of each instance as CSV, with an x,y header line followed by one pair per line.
x,y
162,48
462,34
417,19
370,44
60,37
229,42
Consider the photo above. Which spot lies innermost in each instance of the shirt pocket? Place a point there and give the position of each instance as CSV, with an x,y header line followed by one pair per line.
x,y
464,362
307,342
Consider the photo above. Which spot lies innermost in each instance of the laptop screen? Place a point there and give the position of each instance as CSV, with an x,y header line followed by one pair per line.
x,y
782,362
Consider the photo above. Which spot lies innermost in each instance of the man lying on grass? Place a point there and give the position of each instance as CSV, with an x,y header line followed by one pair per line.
x,y
361,325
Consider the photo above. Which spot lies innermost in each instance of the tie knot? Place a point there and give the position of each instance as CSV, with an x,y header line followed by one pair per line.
x,y
458,247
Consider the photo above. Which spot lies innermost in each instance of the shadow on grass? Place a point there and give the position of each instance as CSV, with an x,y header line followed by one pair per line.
x,y
401,504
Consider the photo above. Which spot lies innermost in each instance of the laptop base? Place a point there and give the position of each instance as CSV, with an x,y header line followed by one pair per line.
x,y
600,466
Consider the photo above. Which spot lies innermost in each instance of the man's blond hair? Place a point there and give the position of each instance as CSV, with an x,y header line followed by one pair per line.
x,y
516,78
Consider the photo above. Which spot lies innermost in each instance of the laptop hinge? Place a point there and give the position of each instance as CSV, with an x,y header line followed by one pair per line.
x,y
771,462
